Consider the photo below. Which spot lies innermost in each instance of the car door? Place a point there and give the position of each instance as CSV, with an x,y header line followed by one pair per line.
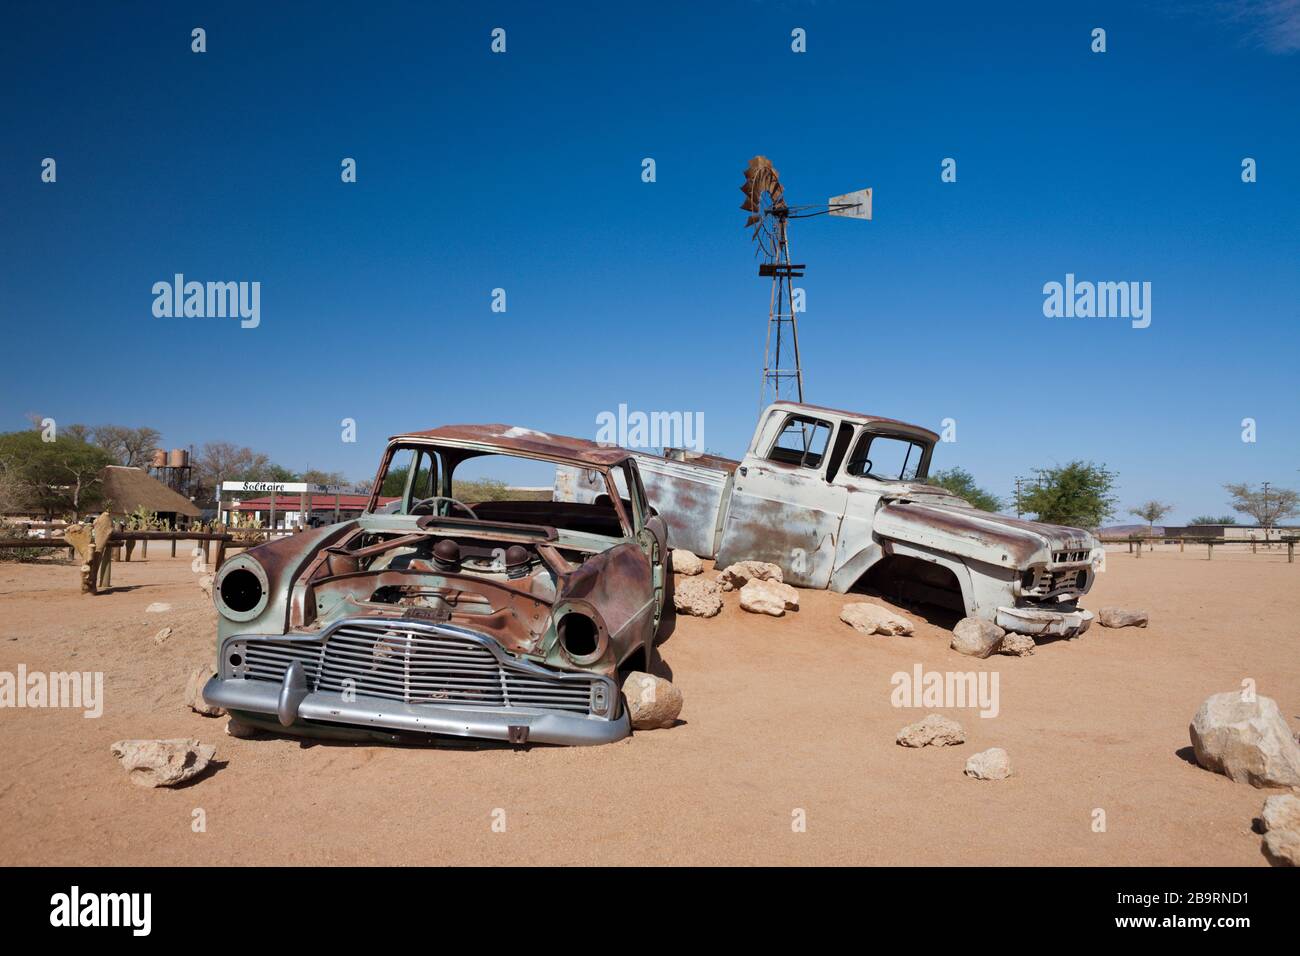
x,y
782,507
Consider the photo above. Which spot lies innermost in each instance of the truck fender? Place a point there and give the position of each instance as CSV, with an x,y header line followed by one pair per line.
x,y
852,570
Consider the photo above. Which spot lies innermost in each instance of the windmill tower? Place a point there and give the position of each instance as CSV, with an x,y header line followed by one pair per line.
x,y
770,216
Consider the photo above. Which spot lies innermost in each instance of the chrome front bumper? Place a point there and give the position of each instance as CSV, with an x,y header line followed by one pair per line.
x,y
260,697
406,676
1042,622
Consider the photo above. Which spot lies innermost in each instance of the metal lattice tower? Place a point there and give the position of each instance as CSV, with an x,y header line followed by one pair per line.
x,y
781,364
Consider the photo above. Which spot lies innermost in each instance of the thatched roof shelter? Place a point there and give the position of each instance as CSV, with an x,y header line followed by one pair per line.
x,y
126,489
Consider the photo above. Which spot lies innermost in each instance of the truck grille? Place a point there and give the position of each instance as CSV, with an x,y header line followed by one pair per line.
x,y
1052,583
1069,557
415,667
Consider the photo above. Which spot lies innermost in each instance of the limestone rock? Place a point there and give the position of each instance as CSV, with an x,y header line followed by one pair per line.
x,y
737,575
768,597
194,692
205,583
933,730
1018,645
685,562
698,597
242,731
162,635
1281,812
1121,617
991,764
157,607
976,637
1282,847
652,702
1246,740
78,535
873,619
162,763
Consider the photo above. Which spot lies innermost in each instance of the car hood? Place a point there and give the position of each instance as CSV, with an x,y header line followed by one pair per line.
x,y
982,535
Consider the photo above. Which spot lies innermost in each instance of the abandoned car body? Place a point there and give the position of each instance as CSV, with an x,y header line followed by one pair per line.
x,y
497,619
839,498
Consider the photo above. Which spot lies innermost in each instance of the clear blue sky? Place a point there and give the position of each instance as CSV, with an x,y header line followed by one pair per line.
x,y
523,171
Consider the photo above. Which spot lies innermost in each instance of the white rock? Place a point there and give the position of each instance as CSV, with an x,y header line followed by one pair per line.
x,y
162,635
1018,645
768,597
976,637
205,583
157,607
736,575
991,764
162,763
242,731
1281,812
685,562
1121,617
194,692
1282,847
873,619
652,702
1247,741
933,730
698,597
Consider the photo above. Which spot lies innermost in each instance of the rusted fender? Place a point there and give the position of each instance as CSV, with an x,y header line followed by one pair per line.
x,y
982,535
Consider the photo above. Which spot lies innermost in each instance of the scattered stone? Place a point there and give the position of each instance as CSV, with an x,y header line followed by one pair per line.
x,y
933,730
1282,847
652,702
873,619
1246,740
697,597
162,763
1121,617
194,692
162,635
768,597
205,583
977,637
242,731
737,575
1281,812
685,562
1018,645
991,764
157,607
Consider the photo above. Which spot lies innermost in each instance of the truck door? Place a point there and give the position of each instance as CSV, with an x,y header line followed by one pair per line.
x,y
783,509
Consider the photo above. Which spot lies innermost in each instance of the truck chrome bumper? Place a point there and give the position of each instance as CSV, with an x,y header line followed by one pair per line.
x,y
291,703
1039,621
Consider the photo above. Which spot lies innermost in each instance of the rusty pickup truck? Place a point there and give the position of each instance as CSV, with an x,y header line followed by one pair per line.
x,y
839,500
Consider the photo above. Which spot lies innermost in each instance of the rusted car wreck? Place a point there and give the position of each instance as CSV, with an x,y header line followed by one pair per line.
x,y
499,619
838,500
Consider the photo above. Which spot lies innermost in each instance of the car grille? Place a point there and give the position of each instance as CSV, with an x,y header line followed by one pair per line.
x,y
1069,557
1052,584
415,667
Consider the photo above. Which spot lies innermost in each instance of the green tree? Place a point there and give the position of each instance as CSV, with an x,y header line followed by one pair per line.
x,y
962,484
1078,494
54,478
1210,519
1151,512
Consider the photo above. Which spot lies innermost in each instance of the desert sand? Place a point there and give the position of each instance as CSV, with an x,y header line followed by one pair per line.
x,y
784,719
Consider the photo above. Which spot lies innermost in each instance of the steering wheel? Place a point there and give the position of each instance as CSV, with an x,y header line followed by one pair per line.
x,y
429,501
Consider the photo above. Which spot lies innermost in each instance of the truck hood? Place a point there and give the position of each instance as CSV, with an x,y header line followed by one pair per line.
x,y
981,535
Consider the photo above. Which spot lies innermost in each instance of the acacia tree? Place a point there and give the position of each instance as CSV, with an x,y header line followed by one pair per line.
x,y
128,446
1077,494
962,484
1211,519
1151,512
54,477
1266,507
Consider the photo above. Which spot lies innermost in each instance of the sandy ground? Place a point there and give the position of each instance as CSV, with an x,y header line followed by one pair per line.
x,y
783,717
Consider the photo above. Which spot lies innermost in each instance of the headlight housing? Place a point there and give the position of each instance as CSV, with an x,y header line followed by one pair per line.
x,y
241,589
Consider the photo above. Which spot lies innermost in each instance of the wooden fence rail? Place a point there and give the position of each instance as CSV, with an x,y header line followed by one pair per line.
x,y
1183,540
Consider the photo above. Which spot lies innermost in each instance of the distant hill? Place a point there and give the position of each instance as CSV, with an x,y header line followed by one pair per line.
x,y
1119,530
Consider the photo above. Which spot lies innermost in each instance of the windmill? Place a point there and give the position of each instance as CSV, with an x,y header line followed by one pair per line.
x,y
770,216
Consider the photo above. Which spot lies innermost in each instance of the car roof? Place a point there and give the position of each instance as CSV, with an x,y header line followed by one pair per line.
x,y
526,441
855,416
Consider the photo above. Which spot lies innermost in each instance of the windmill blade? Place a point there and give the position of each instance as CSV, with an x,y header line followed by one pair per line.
x,y
760,177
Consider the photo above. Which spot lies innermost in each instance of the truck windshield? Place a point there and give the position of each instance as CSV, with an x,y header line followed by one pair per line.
x,y
886,457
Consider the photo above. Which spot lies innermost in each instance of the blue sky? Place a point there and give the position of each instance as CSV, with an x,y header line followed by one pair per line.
x,y
523,171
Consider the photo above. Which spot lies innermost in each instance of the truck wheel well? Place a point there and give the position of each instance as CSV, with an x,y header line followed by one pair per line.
x,y
905,579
